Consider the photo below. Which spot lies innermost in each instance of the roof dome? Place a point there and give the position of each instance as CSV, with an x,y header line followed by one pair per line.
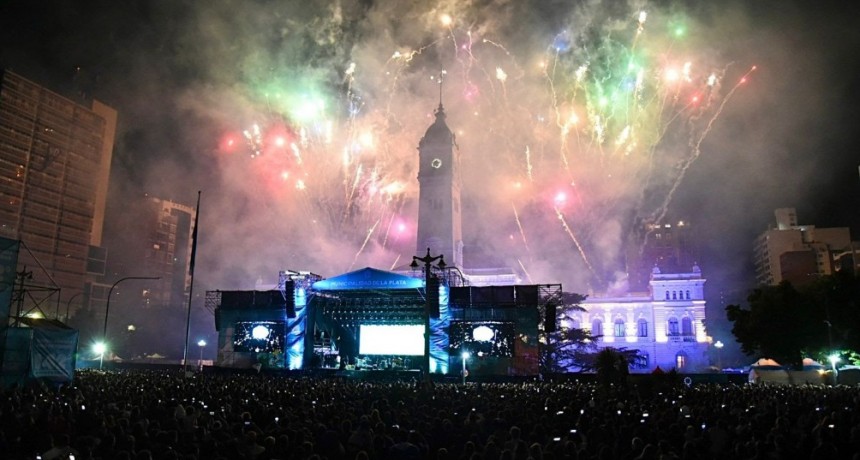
x,y
438,132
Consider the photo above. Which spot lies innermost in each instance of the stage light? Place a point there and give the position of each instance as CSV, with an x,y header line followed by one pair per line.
x,y
260,332
482,334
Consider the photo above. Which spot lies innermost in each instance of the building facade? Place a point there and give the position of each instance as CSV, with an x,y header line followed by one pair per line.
x,y
55,158
661,314
787,252
156,242
666,325
440,222
440,214
671,247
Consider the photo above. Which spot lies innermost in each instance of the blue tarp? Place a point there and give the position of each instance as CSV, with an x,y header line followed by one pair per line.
x,y
52,354
42,351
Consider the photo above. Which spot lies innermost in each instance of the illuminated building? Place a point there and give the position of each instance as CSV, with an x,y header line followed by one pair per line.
x,y
55,158
440,213
662,312
666,324
440,225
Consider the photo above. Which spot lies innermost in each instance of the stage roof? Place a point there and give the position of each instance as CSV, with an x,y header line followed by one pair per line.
x,y
368,279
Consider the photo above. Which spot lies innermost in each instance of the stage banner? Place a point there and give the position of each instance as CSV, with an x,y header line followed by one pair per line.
x,y
296,329
8,265
439,334
52,355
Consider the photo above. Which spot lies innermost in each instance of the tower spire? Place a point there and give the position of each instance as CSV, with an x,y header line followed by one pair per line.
x,y
442,74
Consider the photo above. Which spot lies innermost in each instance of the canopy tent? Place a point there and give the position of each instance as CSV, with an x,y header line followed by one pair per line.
x,y
766,363
810,364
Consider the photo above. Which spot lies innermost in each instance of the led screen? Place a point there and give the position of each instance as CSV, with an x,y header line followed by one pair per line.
x,y
259,336
391,340
482,338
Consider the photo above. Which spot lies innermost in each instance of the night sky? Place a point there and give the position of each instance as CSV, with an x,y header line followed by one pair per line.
x,y
574,120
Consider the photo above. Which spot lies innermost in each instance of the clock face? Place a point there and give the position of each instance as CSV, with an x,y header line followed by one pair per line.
x,y
436,163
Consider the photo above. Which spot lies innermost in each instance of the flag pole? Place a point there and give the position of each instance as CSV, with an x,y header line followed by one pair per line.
x,y
191,284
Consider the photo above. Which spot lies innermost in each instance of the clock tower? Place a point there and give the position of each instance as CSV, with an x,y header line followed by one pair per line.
x,y
439,212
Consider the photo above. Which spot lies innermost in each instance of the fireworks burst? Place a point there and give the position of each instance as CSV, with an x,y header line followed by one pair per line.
x,y
616,106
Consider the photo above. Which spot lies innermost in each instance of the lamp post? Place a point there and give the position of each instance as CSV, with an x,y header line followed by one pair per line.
x,y
719,347
201,344
428,261
69,304
465,356
107,304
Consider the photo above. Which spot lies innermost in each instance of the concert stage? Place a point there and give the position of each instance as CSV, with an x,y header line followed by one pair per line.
x,y
371,321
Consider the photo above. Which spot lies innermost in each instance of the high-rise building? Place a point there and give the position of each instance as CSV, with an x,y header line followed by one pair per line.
x,y
156,242
55,158
669,247
798,253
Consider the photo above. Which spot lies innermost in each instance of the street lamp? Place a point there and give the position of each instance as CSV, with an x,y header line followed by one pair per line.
x,y
68,305
719,346
201,344
107,305
465,356
427,260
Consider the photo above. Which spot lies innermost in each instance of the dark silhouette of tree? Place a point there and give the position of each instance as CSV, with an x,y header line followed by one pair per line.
x,y
612,367
787,323
571,349
838,298
562,350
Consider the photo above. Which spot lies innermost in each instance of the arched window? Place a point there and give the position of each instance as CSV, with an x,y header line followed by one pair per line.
x,y
673,326
686,326
619,328
680,360
642,328
674,295
597,328
688,295
667,295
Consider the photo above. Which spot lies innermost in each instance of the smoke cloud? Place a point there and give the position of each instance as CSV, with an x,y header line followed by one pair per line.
x,y
576,121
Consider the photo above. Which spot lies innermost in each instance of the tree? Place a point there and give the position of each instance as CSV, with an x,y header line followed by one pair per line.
x,y
838,297
571,349
562,350
612,367
781,323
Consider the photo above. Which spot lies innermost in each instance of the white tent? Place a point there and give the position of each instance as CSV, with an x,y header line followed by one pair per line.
x,y
811,364
765,362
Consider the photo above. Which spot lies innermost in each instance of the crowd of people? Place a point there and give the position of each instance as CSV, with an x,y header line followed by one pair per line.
x,y
155,415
